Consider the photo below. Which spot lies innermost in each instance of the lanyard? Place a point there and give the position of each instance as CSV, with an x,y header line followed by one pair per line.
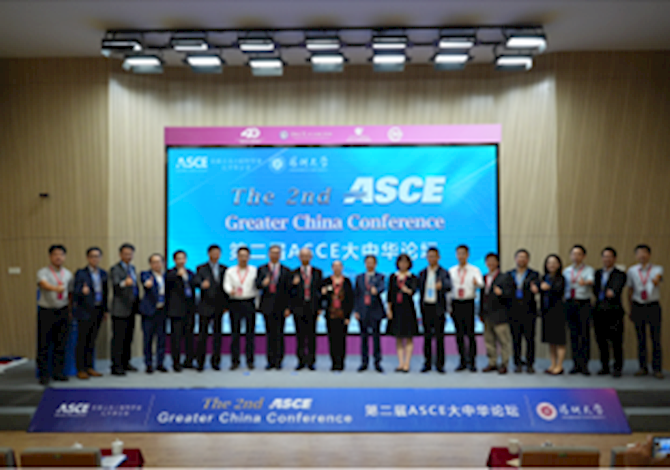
x,y
59,279
275,272
242,279
337,286
646,279
490,278
462,276
574,278
306,277
367,281
516,279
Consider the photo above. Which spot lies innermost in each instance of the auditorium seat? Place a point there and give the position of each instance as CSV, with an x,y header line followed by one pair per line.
x,y
619,459
7,457
60,457
559,457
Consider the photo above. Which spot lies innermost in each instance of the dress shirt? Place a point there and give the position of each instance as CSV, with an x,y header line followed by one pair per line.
x,y
215,270
430,295
97,284
462,281
636,275
160,283
236,278
578,272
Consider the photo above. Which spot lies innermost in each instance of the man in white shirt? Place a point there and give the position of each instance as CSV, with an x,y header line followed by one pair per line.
x,y
579,280
56,285
644,280
239,282
465,280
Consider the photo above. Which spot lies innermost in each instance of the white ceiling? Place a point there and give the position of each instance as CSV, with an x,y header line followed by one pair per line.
x,y
31,28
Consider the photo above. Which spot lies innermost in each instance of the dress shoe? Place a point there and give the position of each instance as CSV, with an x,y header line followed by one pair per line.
x,y
311,367
379,369
82,375
93,373
234,366
200,368
399,369
118,372
518,369
502,370
461,368
130,368
61,378
530,370
574,371
617,374
161,369
473,369
216,367
250,366
425,369
490,368
149,370
604,372
177,368
300,367
641,373
269,367
363,368
187,365
586,372
659,375
278,367
44,381
440,370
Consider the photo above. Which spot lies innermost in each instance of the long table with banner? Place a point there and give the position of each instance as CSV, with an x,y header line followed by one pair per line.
x,y
331,410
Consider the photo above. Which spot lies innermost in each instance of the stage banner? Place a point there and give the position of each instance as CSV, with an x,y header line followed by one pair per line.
x,y
331,410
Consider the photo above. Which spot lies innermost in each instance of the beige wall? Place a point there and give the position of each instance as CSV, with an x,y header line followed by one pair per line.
x,y
568,165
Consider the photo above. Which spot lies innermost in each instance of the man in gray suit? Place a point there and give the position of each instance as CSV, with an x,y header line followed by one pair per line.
x,y
124,307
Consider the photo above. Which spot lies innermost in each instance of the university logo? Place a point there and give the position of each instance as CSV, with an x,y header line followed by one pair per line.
x,y
395,134
192,163
277,164
283,135
76,410
359,131
251,133
546,411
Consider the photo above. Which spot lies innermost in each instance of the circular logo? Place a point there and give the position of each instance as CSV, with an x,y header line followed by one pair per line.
x,y
277,164
283,135
546,411
394,134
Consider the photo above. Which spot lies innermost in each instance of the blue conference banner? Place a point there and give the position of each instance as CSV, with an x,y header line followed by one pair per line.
x,y
331,410
343,202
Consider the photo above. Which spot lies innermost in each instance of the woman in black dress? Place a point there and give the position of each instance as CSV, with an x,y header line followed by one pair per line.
x,y
553,312
337,298
401,311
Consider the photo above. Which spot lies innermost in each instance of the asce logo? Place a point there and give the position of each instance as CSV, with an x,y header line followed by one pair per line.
x,y
251,133
73,409
192,163
291,404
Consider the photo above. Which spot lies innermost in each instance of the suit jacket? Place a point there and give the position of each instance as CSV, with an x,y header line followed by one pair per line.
x,y
150,299
347,302
84,305
278,301
493,307
552,300
616,282
125,303
443,276
177,305
213,301
375,311
297,292
528,303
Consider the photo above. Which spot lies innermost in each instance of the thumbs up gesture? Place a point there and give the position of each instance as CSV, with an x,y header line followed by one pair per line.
x,y
534,289
657,279
474,281
205,284
149,283
129,281
296,280
373,290
181,272
85,290
266,281
582,282
497,290
438,285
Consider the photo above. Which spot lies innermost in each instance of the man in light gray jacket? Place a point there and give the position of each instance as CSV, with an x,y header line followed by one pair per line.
x,y
124,307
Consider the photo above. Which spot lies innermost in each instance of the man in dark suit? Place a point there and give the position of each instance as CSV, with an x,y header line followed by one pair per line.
x,y
91,297
608,314
306,303
523,282
273,282
180,306
434,283
152,308
213,302
125,306
369,311
493,313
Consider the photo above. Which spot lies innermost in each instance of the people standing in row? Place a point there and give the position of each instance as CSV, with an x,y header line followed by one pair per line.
x,y
125,305
338,302
273,283
213,302
552,288
608,313
90,302
434,283
239,283
369,311
579,280
523,310
401,311
466,279
643,280
180,306
493,313
305,303
154,317
55,284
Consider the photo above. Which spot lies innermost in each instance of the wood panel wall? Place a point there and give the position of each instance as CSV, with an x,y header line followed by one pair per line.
x,y
559,132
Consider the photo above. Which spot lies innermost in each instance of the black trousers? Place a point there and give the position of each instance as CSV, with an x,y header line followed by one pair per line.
x,y
578,313
154,327
52,329
242,310
337,341
87,334
203,329
123,329
433,327
274,337
181,329
608,326
305,326
463,314
370,326
644,315
522,325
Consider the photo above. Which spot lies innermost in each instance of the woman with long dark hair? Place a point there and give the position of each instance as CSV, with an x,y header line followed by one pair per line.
x,y
401,310
552,288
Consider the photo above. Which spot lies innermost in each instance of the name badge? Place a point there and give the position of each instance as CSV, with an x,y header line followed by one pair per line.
x,y
337,303
601,296
161,299
273,288
519,294
430,292
398,297
238,292
461,293
572,293
60,296
367,299
188,292
98,297
643,295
